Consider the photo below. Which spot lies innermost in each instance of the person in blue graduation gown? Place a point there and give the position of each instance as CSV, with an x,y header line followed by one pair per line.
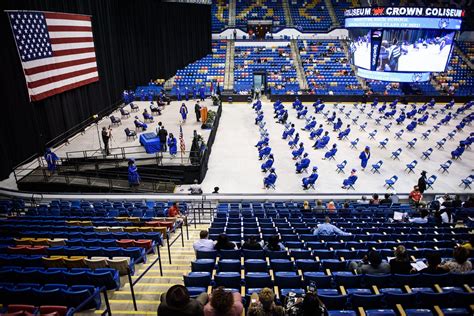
x,y
345,132
322,142
338,124
364,157
183,110
295,140
289,132
186,93
302,113
264,151
349,181
331,152
310,125
178,93
263,141
140,124
458,151
51,159
303,164
133,176
202,93
195,92
317,133
311,179
298,152
267,165
172,145
270,180
259,117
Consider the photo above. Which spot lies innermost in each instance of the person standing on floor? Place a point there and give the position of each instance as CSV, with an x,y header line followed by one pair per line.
x,y
183,110
133,176
364,157
197,110
422,182
172,145
162,135
105,138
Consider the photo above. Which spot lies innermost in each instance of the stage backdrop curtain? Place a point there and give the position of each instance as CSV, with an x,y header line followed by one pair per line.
x,y
135,41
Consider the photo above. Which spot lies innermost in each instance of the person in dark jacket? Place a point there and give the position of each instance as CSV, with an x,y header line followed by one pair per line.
x,y
162,135
197,110
422,182
401,263
252,244
223,243
176,302
434,260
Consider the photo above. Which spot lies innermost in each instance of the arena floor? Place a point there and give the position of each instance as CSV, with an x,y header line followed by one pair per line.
x,y
234,166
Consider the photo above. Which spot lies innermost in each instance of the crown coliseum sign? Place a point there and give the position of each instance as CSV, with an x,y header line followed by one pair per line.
x,y
405,11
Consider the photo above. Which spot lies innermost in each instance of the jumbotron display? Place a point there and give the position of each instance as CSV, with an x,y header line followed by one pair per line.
x,y
401,44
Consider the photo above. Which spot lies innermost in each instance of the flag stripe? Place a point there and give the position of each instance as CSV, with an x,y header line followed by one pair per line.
x,y
65,40
49,93
58,47
54,60
66,82
50,22
62,71
47,67
68,28
53,35
66,16
68,75
65,52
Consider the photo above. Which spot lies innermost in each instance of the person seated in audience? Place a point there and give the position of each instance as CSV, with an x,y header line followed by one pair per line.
x,y
422,218
259,117
303,164
147,116
203,243
309,305
252,244
375,199
386,200
322,142
415,197
401,263
302,112
298,152
345,132
469,244
316,133
331,206
394,198
283,117
154,108
460,262
307,181
332,117
274,244
263,141
363,200
223,243
331,152
270,180
458,151
268,164
177,302
224,303
264,151
289,132
263,304
327,229
434,261
174,211
346,183
310,125
371,264
140,124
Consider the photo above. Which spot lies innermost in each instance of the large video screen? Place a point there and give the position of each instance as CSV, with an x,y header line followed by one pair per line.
x,y
360,47
414,50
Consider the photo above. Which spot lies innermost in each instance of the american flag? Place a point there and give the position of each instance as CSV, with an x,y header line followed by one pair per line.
x,y
56,51
182,145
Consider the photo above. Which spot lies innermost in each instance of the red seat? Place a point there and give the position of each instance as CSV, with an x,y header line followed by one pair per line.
x,y
125,243
13,308
37,250
166,224
17,250
53,310
153,224
143,243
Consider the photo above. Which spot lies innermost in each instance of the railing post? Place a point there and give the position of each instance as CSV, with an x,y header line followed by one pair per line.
x,y
168,243
132,290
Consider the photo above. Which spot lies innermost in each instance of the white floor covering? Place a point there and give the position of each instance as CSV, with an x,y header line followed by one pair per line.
x,y
234,166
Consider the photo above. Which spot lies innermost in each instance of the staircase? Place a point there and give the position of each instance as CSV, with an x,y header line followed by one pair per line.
x,y
232,13
288,17
148,290
229,65
463,56
362,81
169,83
332,14
298,65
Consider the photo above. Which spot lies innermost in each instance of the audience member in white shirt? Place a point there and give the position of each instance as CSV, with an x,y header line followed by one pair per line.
x,y
203,244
